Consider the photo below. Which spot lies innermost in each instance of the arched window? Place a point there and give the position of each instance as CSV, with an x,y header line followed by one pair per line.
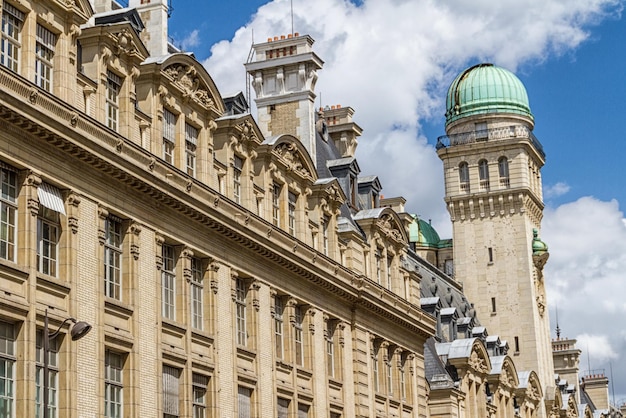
x,y
464,177
483,174
503,169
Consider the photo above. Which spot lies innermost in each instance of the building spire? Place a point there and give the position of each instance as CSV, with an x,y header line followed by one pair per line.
x,y
558,330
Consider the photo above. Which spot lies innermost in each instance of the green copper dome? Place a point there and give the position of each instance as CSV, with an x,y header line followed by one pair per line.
x,y
486,89
423,234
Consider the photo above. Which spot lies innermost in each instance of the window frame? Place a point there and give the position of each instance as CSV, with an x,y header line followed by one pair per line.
x,y
45,42
298,335
196,284
170,120
114,384
12,25
8,346
241,308
292,202
238,163
191,145
171,394
53,376
48,242
199,391
113,250
112,106
464,177
168,282
9,191
279,327
483,174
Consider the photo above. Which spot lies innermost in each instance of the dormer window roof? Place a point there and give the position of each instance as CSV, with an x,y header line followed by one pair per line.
x,y
121,15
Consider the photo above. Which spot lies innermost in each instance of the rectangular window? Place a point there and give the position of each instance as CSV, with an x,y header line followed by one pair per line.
x,y
378,267
282,408
113,89
7,370
168,283
276,204
12,21
200,385
113,258
389,276
44,53
191,143
389,368
8,212
244,402
171,384
292,213
113,385
169,136
325,223
402,382
53,376
48,231
517,344
196,293
237,169
330,348
493,304
490,251
303,410
240,302
298,336
375,371
279,326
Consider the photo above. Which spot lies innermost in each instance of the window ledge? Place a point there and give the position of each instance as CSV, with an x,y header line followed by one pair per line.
x,y
52,285
118,308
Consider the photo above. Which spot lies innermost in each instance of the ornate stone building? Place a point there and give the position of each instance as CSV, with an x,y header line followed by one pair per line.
x,y
229,266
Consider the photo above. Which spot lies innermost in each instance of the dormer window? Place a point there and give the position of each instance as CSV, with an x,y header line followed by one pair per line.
x,y
237,170
44,50
113,88
191,143
292,212
276,189
169,136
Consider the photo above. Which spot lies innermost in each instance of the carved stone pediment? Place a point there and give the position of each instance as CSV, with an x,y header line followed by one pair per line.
x,y
389,226
186,78
476,362
292,158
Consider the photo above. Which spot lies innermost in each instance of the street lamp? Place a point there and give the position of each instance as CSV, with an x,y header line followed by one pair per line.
x,y
79,330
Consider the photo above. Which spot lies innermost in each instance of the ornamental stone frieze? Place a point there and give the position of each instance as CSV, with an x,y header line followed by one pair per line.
x,y
292,158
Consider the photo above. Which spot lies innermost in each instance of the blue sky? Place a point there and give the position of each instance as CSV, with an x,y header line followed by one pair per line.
x,y
392,61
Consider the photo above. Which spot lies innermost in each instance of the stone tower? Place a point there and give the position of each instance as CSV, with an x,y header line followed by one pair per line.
x,y
493,192
284,73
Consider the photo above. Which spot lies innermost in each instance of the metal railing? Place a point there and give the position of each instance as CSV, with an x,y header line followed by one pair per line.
x,y
493,134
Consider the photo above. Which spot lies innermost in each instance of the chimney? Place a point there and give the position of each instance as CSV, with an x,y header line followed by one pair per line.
x,y
596,385
154,14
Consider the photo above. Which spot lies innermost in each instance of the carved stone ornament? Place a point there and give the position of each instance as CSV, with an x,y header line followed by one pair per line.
x,y
388,225
186,78
476,362
290,154
123,43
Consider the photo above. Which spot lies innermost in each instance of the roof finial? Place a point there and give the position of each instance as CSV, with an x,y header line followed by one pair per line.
x,y
558,330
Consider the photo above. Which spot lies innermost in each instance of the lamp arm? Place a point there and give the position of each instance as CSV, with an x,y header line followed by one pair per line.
x,y
53,335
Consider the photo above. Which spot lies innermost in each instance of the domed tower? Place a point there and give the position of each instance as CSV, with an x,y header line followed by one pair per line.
x,y
492,165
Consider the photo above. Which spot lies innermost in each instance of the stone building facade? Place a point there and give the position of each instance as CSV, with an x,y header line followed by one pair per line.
x,y
229,266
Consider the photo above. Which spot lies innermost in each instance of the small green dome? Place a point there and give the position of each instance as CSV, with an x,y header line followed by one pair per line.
x,y
423,234
486,89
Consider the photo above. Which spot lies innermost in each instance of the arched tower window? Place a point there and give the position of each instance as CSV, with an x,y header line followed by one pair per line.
x,y
464,177
503,169
483,174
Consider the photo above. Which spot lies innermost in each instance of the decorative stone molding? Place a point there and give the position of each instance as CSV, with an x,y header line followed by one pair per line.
x,y
186,78
134,229
159,240
33,181
72,200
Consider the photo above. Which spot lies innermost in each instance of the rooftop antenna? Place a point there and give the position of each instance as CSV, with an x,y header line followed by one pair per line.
x,y
248,76
292,32
170,8
588,361
612,383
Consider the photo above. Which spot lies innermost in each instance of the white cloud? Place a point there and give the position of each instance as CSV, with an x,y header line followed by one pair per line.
x,y
392,61
585,280
191,40
555,190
